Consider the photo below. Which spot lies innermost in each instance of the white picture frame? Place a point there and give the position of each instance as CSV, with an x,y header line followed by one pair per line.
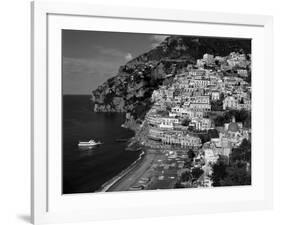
x,y
46,207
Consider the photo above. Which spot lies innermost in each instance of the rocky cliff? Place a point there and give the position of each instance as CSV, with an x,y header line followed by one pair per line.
x,y
131,88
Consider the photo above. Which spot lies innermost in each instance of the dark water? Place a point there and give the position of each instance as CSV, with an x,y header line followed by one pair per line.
x,y
85,171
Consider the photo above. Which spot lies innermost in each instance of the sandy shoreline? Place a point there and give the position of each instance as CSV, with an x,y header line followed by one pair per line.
x,y
128,177
112,182
134,174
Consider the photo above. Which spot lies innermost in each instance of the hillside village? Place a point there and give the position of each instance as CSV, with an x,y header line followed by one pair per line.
x,y
198,120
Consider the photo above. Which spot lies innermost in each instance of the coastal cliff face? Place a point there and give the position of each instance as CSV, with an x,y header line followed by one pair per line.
x,y
131,88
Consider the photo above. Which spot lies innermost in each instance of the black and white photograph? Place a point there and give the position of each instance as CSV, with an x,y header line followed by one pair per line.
x,y
154,111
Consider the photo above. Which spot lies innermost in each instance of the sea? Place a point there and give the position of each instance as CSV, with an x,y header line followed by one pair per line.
x,y
85,171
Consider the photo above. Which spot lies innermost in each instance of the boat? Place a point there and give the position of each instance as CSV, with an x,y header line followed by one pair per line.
x,y
88,144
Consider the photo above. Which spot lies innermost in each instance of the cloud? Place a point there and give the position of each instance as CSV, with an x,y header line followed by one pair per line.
x,y
104,52
112,52
128,56
157,39
154,45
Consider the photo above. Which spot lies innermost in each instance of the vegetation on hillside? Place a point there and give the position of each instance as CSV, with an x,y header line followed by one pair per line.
x,y
242,116
237,171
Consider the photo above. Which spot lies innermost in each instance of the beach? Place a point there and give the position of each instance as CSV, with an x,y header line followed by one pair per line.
x,y
135,174
157,169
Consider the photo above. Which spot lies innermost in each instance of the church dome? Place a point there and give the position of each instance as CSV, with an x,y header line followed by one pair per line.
x,y
233,127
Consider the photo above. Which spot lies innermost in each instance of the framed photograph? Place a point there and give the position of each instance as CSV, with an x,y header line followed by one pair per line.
x,y
140,112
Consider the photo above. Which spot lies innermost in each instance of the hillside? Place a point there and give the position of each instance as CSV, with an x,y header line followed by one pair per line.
x,y
131,88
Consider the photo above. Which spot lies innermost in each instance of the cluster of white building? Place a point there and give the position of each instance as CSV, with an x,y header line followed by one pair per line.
x,y
181,109
174,137
190,98
233,102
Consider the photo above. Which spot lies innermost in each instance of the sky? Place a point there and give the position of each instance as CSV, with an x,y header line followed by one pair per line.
x,y
91,57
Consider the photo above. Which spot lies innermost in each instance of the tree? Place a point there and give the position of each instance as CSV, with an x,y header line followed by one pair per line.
x,y
221,96
236,176
219,173
191,154
188,163
242,116
219,121
141,108
236,173
205,137
242,153
217,105
213,133
168,108
185,122
185,176
163,112
196,172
